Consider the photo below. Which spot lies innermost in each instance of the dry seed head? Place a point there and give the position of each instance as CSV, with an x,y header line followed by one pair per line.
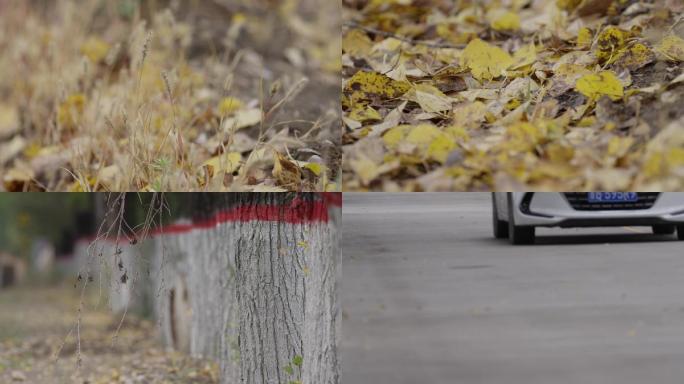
x,y
113,54
165,76
146,46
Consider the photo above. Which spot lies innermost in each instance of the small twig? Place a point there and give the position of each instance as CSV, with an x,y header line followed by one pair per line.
x,y
679,20
61,346
118,328
290,95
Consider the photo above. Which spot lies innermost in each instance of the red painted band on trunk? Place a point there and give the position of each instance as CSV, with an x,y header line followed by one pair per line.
x,y
297,212
333,198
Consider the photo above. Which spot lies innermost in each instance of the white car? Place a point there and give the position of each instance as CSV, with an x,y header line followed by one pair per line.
x,y
517,214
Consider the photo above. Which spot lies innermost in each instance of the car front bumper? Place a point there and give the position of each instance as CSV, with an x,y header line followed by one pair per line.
x,y
550,209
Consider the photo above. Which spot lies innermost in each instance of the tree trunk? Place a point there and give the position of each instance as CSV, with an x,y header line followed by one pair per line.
x,y
171,291
262,273
285,256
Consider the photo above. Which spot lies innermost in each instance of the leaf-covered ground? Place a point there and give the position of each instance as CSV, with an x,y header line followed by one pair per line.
x,y
36,345
169,95
513,94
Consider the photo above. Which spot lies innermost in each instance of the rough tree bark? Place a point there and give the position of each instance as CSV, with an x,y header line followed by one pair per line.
x,y
285,256
261,272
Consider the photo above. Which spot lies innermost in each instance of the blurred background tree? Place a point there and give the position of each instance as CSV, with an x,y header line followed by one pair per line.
x,y
55,217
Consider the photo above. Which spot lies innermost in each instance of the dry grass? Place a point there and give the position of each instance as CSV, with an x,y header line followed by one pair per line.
x,y
204,95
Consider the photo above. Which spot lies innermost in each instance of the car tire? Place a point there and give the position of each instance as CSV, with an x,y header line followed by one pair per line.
x,y
664,229
517,234
680,232
500,226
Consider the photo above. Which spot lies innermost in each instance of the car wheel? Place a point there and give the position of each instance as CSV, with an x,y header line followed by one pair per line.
x,y
663,229
500,226
680,232
517,234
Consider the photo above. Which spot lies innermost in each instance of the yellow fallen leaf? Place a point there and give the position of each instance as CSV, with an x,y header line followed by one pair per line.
x,y
363,113
366,169
316,168
609,43
243,119
423,134
457,133
603,83
432,142
430,99
356,43
70,112
12,149
525,56
524,137
675,157
654,166
332,187
484,60
36,150
394,136
660,164
226,163
502,20
559,153
110,176
228,105
364,86
86,185
565,77
672,47
665,152
18,180
470,114
513,104
95,49
9,121
32,150
584,38
634,57
440,148
619,146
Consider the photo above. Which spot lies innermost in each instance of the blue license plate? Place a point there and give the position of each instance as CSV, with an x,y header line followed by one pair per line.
x,y
612,197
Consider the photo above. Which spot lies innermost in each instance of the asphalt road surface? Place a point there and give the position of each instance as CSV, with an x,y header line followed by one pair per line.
x,y
430,297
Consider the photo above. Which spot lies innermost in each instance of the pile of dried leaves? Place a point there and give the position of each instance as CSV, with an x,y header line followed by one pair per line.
x,y
513,94
212,95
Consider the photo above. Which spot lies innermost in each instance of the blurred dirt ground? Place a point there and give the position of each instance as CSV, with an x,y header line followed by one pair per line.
x,y
35,324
